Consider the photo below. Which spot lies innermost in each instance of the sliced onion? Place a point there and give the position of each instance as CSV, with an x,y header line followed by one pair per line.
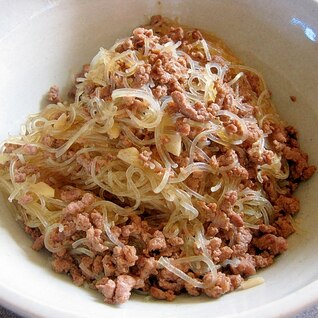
x,y
252,282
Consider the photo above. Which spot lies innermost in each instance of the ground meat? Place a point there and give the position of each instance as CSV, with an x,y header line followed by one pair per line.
x,y
300,160
79,206
169,281
163,295
71,194
272,243
97,220
228,158
97,266
156,20
124,257
225,253
236,281
268,229
82,222
118,291
176,241
195,180
263,260
29,150
157,243
147,267
33,232
284,226
239,172
287,204
159,91
77,276
141,76
176,34
254,134
246,266
197,112
269,188
243,238
140,35
126,45
62,264
168,71
191,290
53,95
38,243
25,199
182,126
95,241
212,214
20,177
221,286
108,265
225,97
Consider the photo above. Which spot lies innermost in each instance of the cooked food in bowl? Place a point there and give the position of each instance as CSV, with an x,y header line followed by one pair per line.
x,y
168,171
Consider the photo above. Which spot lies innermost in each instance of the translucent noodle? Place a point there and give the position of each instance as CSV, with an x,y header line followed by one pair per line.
x,y
108,231
47,234
163,261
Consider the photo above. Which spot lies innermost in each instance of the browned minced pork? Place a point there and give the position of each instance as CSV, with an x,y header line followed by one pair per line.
x,y
284,226
118,291
118,252
272,243
163,295
53,95
38,243
217,289
196,112
157,243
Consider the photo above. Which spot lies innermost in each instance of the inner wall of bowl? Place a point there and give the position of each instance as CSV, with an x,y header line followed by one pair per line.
x,y
45,43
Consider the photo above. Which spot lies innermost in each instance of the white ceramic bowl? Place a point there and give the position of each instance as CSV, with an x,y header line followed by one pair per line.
x,y
45,42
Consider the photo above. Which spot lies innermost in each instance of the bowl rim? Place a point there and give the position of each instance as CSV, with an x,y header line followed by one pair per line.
x,y
287,306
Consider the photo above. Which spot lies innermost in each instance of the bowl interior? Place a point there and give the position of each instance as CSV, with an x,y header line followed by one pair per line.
x,y
44,43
